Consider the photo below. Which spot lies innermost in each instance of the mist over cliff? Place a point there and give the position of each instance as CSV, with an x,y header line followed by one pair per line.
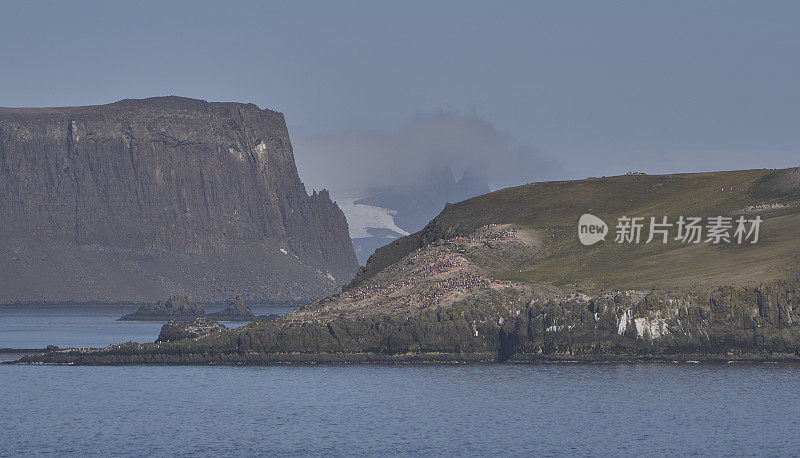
x,y
406,209
391,183
143,198
356,160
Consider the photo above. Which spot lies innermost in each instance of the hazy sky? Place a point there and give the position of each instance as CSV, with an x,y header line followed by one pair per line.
x,y
577,88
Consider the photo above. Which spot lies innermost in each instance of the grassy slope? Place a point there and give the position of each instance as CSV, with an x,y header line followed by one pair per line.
x,y
552,210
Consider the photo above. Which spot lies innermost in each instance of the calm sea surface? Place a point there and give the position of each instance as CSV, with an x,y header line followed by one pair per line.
x,y
601,409
36,326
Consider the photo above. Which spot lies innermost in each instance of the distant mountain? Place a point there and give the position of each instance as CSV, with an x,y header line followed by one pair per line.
x,y
142,199
395,211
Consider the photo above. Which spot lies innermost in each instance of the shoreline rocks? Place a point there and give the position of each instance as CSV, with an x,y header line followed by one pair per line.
x,y
200,327
469,288
730,324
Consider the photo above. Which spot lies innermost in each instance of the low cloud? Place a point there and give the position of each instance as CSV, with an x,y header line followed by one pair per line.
x,y
351,162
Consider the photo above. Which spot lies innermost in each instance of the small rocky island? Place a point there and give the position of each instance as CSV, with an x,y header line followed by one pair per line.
x,y
178,308
236,311
175,308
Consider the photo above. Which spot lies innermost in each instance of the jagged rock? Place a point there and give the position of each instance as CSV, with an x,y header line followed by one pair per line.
x,y
175,308
141,199
236,311
175,330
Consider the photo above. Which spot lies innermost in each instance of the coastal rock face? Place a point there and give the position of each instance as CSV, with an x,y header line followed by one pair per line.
x,y
175,330
141,199
470,288
235,311
174,308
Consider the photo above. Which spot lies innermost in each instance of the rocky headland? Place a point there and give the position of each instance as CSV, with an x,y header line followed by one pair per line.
x,y
140,199
503,278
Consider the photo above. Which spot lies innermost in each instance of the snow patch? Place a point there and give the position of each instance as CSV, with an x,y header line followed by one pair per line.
x,y
74,127
236,154
360,217
261,151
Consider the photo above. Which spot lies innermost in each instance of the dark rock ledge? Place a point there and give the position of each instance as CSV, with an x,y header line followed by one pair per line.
x,y
728,325
200,327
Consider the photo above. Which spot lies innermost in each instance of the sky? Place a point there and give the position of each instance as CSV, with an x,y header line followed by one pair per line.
x,y
525,91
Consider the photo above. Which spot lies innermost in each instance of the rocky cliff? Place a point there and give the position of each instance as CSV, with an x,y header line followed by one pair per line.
x,y
503,277
141,199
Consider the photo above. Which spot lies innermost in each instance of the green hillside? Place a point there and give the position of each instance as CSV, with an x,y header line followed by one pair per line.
x,y
550,212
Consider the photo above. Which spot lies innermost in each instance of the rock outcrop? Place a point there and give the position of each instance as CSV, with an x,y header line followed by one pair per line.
x,y
200,327
235,311
141,199
175,308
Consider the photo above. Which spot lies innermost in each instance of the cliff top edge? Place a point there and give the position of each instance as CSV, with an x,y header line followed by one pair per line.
x,y
169,102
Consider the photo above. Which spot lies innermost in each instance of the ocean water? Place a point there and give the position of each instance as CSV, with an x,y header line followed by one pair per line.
x,y
95,325
569,409
585,410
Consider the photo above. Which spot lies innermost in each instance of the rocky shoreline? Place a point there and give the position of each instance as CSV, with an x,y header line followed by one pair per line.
x,y
421,358
457,293
625,326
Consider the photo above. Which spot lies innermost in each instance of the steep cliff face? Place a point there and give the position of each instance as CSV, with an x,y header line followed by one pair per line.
x,y
145,198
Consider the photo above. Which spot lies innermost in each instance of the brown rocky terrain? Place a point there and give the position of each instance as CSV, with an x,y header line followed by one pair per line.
x,y
142,199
